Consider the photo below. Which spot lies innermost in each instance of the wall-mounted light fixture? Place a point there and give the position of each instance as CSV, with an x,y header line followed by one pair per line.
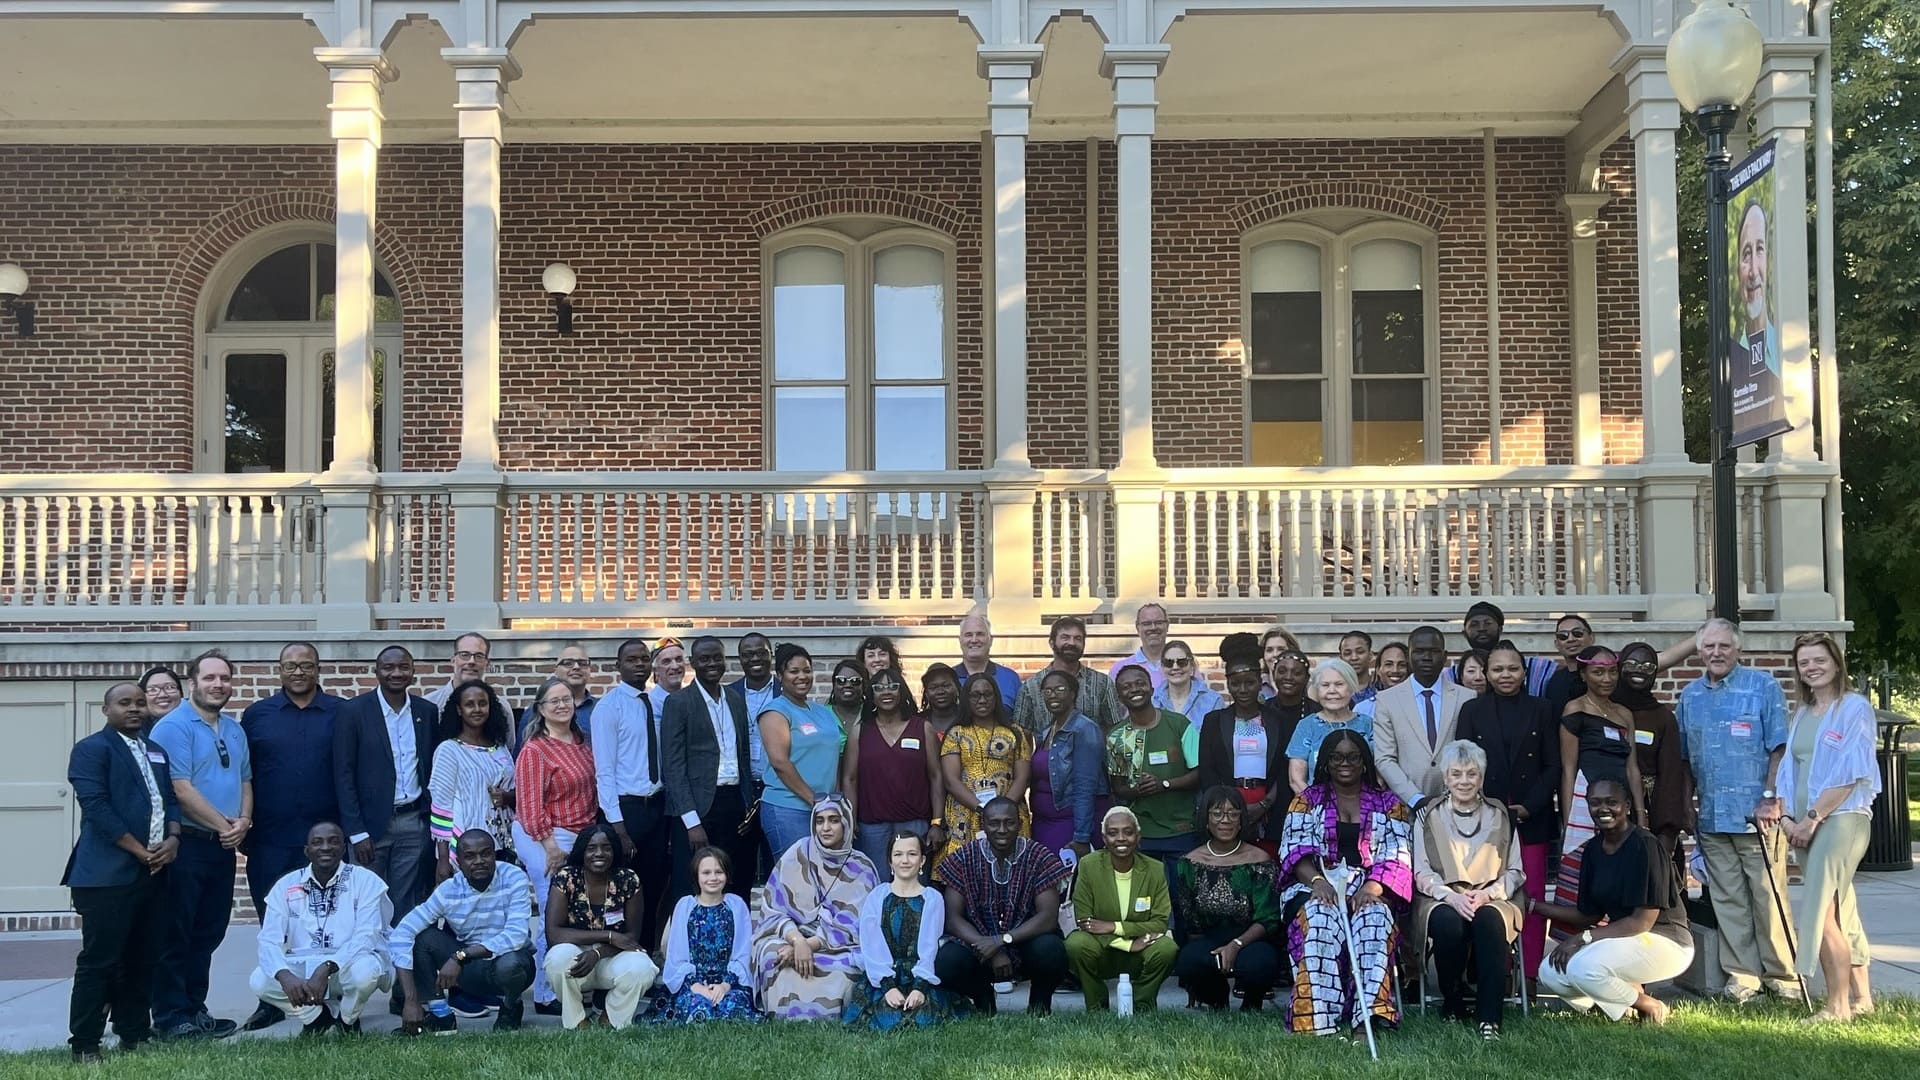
x,y
13,286
558,279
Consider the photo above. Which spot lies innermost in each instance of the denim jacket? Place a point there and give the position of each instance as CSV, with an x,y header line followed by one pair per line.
x,y
1076,770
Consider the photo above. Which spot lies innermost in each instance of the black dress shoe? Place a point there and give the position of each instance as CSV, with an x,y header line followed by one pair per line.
x,y
507,1021
322,1024
547,1008
346,1028
214,1027
263,1017
183,1031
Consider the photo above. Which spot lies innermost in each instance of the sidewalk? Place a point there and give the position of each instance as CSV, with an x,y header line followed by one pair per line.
x,y
33,999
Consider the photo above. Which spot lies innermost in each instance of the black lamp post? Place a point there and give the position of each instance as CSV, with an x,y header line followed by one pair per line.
x,y
1713,61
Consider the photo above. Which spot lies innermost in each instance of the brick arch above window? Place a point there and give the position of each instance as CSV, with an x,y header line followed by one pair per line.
x,y
1339,195
867,202
194,266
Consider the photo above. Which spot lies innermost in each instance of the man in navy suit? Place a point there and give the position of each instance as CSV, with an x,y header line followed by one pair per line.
x,y
129,834
706,768
383,745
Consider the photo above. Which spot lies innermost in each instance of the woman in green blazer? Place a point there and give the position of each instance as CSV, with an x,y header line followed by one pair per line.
x,y
1120,908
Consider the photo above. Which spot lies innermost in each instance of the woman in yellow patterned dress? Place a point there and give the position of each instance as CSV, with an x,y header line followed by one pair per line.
x,y
984,756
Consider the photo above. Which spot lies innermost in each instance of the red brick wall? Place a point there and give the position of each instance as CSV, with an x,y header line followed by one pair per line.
x,y
1619,288
664,370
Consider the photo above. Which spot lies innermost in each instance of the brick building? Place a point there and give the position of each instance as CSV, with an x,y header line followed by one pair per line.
x,y
881,313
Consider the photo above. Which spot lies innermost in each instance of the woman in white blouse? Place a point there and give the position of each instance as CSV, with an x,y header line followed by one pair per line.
x,y
1467,874
1828,778
472,774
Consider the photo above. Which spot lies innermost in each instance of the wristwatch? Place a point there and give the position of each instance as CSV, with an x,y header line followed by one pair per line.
x,y
1769,793
459,956
1006,939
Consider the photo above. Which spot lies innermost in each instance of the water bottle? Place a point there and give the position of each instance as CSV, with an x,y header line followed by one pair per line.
x,y
1123,997
442,1013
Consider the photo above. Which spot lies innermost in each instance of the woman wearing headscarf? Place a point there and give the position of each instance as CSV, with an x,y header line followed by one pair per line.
x,y
1664,781
806,938
1244,746
1347,818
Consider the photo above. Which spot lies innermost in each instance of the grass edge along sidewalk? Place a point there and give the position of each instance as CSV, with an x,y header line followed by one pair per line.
x,y
1704,1041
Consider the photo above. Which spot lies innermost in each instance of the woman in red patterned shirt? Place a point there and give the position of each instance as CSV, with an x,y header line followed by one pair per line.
x,y
554,780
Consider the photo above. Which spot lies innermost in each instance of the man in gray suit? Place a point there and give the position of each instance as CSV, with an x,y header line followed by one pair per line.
x,y
1413,720
706,768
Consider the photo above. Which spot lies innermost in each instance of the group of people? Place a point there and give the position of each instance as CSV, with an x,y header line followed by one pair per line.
x,y
702,849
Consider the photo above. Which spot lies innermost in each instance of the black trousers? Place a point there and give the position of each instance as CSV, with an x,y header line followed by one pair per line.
x,y
1485,941
722,823
200,903
267,864
1043,962
121,927
1256,969
507,975
645,820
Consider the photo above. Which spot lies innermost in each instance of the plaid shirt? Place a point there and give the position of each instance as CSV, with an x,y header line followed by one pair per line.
x,y
496,919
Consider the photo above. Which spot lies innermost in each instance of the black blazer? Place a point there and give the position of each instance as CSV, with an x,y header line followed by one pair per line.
x,y
1522,743
363,761
113,802
1216,756
690,755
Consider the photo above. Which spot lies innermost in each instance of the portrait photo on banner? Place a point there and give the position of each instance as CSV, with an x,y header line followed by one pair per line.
x,y
1759,407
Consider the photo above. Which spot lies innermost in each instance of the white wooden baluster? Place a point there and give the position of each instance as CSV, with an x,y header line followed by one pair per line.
x,y
1629,560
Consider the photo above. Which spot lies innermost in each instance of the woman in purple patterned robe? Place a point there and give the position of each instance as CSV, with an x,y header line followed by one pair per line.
x,y
806,947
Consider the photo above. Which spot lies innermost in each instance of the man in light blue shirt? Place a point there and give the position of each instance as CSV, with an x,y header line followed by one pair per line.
x,y
212,777
976,658
486,946
1733,726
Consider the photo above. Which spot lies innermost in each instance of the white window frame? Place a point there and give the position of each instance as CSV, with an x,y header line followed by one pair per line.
x,y
1337,376
305,344
860,241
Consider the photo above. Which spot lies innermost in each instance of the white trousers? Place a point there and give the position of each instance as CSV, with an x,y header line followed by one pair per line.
x,y
624,975
347,991
1611,971
533,859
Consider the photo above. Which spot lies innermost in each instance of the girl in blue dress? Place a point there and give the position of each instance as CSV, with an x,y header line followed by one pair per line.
x,y
707,949
900,927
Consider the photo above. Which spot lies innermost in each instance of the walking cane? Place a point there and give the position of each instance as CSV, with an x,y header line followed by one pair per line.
x,y
1780,906
1338,875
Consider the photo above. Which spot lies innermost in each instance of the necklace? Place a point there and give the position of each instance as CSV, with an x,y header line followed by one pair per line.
x,y
1223,854
1460,830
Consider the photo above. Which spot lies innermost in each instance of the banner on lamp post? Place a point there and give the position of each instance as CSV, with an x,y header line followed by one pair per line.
x,y
1753,360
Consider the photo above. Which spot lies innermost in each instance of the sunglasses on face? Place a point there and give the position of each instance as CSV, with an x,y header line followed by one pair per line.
x,y
1640,667
848,680
1179,661
572,662
1569,635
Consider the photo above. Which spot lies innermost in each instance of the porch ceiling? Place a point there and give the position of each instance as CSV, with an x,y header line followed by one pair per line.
x,y
816,78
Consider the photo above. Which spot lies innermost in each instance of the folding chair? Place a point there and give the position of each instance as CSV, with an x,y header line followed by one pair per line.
x,y
1516,976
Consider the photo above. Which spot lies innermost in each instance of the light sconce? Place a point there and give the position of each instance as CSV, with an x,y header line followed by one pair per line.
x,y
558,280
13,286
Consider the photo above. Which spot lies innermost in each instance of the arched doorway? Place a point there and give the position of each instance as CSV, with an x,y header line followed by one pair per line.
x,y
266,393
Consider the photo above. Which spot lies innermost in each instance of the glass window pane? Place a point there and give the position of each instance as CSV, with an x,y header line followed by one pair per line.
x,y
279,288
810,428
256,413
809,314
1283,279
1389,316
1285,427
910,427
379,410
1389,421
909,314
386,304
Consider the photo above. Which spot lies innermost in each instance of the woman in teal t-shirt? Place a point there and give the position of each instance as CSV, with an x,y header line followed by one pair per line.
x,y
803,741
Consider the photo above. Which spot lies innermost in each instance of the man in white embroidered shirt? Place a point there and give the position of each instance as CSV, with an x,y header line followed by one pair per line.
x,y
485,947
323,946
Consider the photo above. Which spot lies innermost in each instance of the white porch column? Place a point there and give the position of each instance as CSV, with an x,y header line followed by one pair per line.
x,y
348,489
1583,230
1009,71
475,487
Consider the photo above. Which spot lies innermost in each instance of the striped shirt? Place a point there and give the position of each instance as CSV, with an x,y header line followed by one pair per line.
x,y
462,776
497,920
556,786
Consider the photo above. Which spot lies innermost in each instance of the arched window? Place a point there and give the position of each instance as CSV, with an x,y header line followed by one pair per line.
x,y
859,341
267,395
1341,344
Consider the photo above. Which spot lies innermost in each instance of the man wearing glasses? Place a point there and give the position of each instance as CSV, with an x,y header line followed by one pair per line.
x,y
1151,624
471,654
212,775
575,669
286,734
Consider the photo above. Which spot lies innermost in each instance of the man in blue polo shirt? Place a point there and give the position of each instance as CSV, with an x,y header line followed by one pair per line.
x,y
212,776
1733,725
287,734
976,649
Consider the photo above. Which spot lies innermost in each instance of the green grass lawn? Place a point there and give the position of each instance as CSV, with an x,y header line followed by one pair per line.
x,y
1703,1042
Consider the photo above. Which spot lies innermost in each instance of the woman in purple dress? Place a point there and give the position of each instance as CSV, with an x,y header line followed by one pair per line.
x,y
1068,770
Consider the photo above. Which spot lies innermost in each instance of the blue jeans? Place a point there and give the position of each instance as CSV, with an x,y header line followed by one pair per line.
x,y
873,840
784,827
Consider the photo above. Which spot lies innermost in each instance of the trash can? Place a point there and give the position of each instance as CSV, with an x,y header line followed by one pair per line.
x,y
1890,844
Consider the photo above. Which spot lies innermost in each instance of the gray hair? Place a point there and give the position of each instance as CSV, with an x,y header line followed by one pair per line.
x,y
1338,667
1717,623
1465,753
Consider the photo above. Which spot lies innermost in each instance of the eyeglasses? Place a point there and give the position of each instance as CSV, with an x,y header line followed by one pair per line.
x,y
1640,667
1179,661
300,667
468,656
848,680
573,662
887,687
1571,635
1346,759
225,761
1224,813
550,702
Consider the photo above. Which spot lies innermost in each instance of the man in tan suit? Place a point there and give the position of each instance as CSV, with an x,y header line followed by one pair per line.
x,y
1413,720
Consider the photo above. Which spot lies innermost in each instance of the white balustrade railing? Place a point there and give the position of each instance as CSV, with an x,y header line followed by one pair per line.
x,y
85,547
739,543
413,532
1072,537
1306,539
1750,539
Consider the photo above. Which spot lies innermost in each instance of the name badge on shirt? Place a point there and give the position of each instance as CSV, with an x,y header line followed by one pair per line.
x,y
1740,729
1613,733
1141,903
156,757
809,729
909,744
1246,744
614,918
1834,738
296,894
1156,757
1644,738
